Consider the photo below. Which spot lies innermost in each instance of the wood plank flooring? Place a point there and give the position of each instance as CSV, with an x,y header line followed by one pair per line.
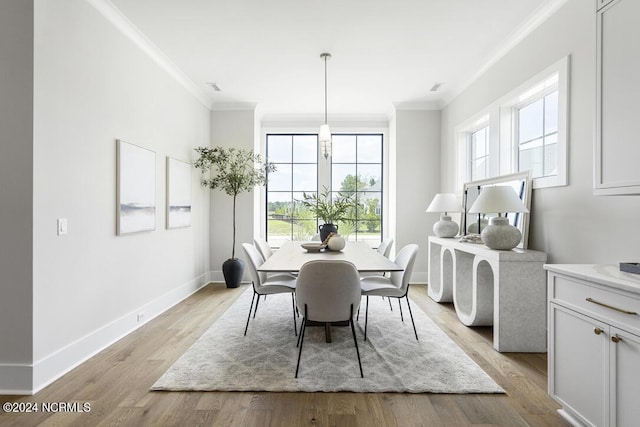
x,y
116,382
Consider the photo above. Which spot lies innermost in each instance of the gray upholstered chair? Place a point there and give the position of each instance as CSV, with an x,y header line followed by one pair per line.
x,y
328,291
263,285
396,285
385,247
263,248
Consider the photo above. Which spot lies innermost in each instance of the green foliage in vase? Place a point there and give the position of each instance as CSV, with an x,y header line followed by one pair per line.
x,y
330,211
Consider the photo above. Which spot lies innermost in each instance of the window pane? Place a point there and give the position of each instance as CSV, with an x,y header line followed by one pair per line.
x,y
551,113
343,149
278,232
343,177
305,149
305,177
551,155
531,159
279,148
304,229
280,180
479,169
300,211
278,205
370,177
370,148
479,143
530,121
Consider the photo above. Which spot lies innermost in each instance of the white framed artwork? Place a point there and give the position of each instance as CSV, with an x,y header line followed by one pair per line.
x,y
135,188
178,193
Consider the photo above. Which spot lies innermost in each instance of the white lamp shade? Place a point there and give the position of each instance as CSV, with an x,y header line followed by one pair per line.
x,y
444,202
498,199
324,138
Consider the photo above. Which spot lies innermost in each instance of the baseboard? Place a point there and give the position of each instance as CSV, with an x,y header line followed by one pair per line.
x,y
15,379
53,366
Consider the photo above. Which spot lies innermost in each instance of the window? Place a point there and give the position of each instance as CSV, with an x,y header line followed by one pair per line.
x,y
536,130
296,161
524,130
355,168
479,157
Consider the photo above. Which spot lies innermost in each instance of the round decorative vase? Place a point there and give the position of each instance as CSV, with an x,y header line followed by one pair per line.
x,y
501,235
233,269
473,227
336,243
445,227
326,229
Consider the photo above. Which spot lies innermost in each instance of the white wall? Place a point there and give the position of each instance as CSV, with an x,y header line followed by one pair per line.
x,y
417,153
16,202
231,129
568,223
91,87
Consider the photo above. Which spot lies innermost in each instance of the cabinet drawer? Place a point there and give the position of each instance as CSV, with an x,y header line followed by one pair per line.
x,y
600,303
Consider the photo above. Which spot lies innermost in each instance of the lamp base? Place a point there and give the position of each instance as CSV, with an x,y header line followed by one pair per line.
x,y
500,235
445,227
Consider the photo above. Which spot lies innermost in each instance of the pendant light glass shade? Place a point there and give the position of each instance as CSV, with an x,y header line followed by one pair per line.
x,y
324,136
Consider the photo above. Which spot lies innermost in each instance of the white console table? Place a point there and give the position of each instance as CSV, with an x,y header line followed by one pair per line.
x,y
506,289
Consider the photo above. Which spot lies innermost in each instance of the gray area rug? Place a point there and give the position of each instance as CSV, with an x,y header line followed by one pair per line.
x,y
265,360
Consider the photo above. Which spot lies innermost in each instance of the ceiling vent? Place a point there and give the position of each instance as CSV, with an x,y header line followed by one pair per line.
x,y
435,87
214,86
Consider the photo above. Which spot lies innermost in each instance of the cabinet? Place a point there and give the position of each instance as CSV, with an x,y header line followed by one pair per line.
x,y
617,107
594,344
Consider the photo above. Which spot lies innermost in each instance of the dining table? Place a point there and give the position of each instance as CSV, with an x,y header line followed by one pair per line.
x,y
291,256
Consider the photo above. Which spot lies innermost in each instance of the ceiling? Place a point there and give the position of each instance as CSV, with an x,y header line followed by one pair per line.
x,y
384,53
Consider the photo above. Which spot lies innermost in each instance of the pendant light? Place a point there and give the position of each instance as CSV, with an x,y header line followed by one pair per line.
x,y
325,133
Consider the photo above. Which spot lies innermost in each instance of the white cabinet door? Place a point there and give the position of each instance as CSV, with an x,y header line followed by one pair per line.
x,y
625,375
578,373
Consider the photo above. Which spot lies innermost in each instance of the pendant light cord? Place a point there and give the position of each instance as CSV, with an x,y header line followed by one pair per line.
x,y
325,90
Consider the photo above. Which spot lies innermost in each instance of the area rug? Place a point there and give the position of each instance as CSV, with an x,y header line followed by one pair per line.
x,y
265,359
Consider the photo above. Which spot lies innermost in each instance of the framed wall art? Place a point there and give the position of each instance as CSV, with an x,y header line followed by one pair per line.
x,y
136,189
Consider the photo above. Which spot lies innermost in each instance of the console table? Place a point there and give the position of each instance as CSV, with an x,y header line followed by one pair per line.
x,y
506,289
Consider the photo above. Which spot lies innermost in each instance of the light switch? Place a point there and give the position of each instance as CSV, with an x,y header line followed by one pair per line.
x,y
62,226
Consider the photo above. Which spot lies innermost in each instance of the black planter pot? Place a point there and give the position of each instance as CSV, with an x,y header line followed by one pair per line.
x,y
326,229
232,269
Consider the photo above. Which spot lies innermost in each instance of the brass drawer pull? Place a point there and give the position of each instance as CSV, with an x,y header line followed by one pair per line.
x,y
616,339
597,331
611,307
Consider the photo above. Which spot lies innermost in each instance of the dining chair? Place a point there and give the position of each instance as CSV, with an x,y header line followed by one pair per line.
x,y
263,248
263,285
328,291
396,285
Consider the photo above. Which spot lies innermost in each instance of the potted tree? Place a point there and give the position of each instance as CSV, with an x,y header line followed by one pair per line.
x,y
329,211
233,171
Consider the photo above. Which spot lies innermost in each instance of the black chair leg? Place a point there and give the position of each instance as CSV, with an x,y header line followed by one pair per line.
x,y
249,316
366,318
411,314
400,305
304,327
256,310
355,341
390,306
293,305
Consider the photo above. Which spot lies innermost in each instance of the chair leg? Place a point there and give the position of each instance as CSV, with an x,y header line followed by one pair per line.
x,y
390,306
249,316
358,315
355,341
293,305
366,318
304,327
256,309
411,314
400,305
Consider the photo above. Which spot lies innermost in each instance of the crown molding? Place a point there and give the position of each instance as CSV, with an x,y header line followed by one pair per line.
x,y
427,105
112,14
543,13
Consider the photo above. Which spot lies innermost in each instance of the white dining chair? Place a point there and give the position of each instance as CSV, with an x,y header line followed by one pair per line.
x,y
263,285
396,285
328,291
263,248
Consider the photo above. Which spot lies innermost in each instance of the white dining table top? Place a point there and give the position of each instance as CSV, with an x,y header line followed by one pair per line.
x,y
291,256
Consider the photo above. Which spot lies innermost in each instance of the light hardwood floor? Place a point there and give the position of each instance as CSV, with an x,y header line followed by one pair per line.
x,y
116,382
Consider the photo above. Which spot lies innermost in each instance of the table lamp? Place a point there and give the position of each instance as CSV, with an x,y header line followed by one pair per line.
x,y
499,234
444,203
